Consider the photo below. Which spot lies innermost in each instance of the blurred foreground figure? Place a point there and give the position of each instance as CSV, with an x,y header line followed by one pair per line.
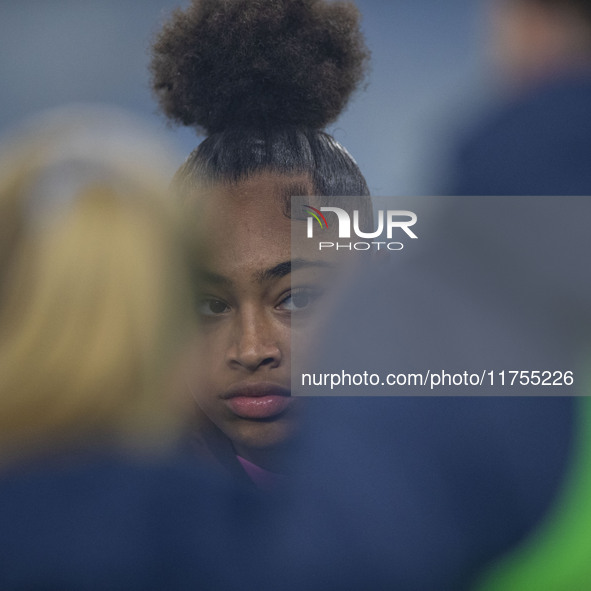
x,y
95,308
422,493
538,143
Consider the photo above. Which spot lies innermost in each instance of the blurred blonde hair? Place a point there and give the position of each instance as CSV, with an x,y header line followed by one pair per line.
x,y
95,287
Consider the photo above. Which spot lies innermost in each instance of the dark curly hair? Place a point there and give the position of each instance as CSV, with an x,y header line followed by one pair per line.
x,y
262,78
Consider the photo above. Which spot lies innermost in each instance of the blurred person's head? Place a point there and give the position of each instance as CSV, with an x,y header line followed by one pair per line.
x,y
95,288
261,80
537,39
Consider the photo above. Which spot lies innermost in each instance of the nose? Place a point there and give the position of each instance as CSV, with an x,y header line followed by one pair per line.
x,y
255,342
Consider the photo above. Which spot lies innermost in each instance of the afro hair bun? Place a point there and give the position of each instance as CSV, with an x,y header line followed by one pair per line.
x,y
258,63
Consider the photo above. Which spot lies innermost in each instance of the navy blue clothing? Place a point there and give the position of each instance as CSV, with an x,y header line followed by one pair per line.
x,y
539,144
419,493
100,521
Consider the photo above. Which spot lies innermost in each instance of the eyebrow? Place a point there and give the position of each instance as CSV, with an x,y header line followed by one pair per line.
x,y
210,277
276,272
286,267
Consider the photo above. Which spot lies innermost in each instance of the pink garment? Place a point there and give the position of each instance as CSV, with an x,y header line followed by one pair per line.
x,y
262,478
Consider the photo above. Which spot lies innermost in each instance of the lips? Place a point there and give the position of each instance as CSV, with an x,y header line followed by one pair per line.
x,y
258,400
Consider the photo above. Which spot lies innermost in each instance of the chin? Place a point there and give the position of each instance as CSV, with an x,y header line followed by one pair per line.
x,y
263,435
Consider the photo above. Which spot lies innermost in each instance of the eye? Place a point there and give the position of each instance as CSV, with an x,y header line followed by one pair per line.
x,y
212,307
299,299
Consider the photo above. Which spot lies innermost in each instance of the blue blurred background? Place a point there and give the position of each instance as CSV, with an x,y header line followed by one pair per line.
x,y
429,75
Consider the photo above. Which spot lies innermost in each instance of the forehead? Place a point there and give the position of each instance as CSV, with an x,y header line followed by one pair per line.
x,y
245,224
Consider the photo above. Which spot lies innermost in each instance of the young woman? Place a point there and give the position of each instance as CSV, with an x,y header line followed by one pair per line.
x,y
261,80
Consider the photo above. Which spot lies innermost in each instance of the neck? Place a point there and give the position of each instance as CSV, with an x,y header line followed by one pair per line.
x,y
548,72
274,459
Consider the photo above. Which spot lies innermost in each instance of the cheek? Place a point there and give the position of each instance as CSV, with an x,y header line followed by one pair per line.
x,y
285,343
207,363
182,378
